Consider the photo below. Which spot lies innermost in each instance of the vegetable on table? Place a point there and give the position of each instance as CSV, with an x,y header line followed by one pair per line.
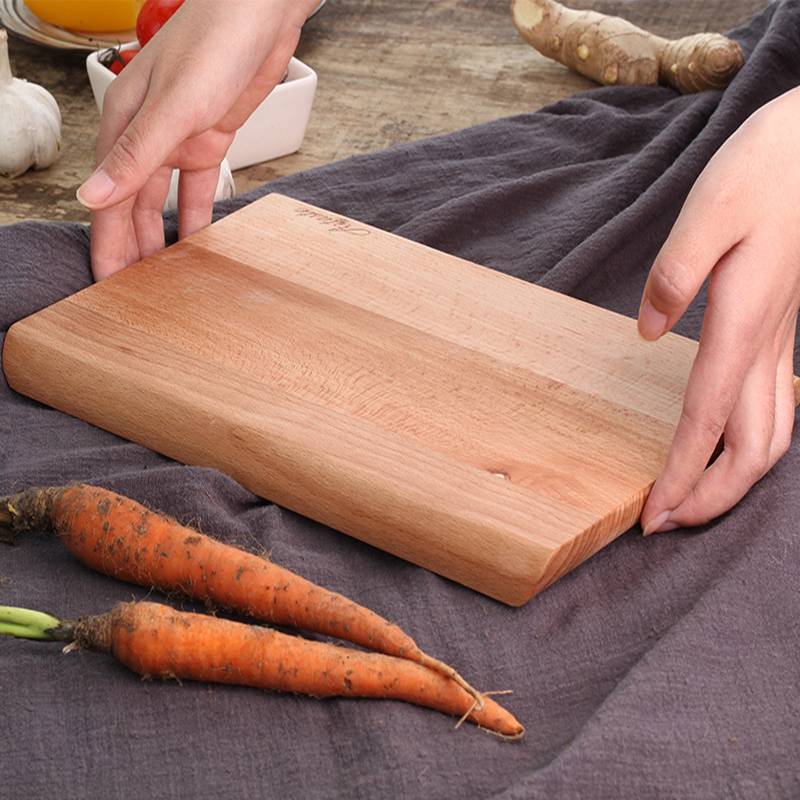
x,y
157,641
30,121
115,59
152,16
611,50
122,539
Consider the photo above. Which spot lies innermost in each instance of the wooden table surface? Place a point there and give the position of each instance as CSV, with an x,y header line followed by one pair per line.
x,y
390,71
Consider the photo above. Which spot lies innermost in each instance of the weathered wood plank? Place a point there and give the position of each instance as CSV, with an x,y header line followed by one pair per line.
x,y
390,71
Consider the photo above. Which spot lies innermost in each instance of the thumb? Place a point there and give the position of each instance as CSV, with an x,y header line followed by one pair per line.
x,y
695,245
127,165
671,285
97,188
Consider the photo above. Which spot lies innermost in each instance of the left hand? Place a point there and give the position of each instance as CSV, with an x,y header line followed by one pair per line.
x,y
178,105
739,227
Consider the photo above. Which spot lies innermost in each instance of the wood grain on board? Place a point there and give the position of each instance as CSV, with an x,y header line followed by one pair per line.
x,y
485,428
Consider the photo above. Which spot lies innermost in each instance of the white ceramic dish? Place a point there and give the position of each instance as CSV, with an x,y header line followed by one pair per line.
x,y
276,128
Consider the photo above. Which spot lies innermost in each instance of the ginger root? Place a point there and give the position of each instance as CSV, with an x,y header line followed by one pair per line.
x,y
611,50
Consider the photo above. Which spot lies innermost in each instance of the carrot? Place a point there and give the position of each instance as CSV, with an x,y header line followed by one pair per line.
x,y
123,539
157,641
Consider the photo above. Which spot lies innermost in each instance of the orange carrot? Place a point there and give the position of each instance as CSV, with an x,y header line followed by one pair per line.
x,y
123,539
157,641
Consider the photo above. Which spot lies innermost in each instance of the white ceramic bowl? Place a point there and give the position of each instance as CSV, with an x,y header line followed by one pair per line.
x,y
276,128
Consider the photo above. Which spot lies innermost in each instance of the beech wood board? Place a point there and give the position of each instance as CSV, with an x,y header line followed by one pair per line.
x,y
482,427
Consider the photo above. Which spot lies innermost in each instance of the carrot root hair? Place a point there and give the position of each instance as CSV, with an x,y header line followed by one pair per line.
x,y
157,641
125,540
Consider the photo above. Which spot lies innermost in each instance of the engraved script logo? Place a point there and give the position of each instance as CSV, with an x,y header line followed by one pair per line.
x,y
336,224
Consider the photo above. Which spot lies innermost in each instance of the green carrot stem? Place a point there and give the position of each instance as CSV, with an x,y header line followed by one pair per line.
x,y
28,624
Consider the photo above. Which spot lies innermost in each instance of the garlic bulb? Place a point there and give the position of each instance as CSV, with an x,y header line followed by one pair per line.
x,y
30,122
225,186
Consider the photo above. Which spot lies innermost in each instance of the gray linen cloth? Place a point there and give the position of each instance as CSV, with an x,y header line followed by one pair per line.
x,y
666,667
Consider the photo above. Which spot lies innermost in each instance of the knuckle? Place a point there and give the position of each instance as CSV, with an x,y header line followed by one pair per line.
x,y
671,282
753,459
127,161
127,150
707,425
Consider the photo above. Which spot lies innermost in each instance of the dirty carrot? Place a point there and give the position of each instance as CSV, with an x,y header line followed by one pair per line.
x,y
125,540
157,641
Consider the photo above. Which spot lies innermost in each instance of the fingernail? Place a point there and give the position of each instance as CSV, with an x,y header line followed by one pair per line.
x,y
652,323
97,188
659,524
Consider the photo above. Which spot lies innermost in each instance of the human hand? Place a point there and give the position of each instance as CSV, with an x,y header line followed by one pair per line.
x,y
739,226
177,105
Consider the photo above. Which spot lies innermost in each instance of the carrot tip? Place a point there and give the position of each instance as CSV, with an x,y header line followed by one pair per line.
x,y
477,707
509,737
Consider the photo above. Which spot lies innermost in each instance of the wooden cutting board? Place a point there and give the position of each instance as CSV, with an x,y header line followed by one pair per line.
x,y
482,427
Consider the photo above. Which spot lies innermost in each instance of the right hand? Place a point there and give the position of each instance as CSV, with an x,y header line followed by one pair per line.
x,y
178,105
739,230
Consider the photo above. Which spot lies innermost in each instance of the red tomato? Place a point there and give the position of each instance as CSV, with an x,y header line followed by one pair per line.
x,y
153,15
115,59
